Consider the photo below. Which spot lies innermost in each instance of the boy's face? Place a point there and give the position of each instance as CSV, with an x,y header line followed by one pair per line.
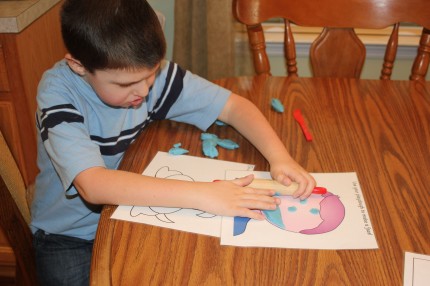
x,y
122,88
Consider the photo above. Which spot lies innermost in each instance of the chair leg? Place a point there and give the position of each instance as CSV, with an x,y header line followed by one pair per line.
x,y
258,47
290,50
421,63
390,53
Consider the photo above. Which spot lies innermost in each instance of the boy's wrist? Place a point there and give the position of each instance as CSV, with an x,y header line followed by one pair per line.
x,y
280,158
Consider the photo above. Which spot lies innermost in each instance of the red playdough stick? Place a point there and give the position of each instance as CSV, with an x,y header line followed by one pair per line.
x,y
299,118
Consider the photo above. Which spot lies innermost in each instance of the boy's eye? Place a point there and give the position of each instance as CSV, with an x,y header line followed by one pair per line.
x,y
125,84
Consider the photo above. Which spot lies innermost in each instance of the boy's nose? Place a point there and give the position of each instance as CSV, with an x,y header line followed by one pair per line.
x,y
142,90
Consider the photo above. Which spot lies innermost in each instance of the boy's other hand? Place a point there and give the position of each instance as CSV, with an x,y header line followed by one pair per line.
x,y
293,172
234,198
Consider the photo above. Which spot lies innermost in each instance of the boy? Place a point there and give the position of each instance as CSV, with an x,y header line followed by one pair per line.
x,y
95,102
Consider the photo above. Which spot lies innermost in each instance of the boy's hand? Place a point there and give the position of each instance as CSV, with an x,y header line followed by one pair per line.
x,y
293,172
240,113
233,198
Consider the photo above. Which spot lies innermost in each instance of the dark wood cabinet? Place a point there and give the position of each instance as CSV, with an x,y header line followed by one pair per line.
x,y
24,56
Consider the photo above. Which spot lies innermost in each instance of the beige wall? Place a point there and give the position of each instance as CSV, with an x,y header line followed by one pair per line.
x,y
167,8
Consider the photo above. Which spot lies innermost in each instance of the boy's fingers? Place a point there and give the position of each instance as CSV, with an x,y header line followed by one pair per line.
x,y
308,190
264,192
301,191
285,180
244,181
259,204
251,214
305,190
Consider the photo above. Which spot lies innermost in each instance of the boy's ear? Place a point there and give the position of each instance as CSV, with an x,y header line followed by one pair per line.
x,y
75,65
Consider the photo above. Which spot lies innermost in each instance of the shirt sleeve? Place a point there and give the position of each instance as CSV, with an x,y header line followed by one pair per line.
x,y
64,135
188,98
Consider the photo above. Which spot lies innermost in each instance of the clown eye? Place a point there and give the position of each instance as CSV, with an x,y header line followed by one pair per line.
x,y
292,209
314,211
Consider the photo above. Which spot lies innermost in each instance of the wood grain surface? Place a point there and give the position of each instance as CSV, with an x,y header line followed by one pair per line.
x,y
378,129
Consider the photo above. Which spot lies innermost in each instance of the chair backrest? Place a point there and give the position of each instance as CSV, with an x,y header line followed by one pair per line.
x,y
337,51
15,217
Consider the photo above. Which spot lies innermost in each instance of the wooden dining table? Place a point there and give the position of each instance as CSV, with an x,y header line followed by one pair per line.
x,y
379,129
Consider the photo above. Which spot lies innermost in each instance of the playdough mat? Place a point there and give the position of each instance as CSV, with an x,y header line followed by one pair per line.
x,y
335,220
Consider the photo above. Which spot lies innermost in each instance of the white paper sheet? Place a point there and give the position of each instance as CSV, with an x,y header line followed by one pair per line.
x,y
188,168
346,225
417,270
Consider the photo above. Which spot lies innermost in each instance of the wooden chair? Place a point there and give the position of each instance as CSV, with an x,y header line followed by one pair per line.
x,y
337,51
15,217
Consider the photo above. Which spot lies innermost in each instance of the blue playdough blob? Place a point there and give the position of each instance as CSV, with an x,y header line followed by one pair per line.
x,y
209,148
277,105
177,150
228,144
292,209
314,211
211,141
220,123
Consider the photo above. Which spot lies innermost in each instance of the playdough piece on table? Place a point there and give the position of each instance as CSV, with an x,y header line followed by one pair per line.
x,y
209,148
228,144
177,150
277,105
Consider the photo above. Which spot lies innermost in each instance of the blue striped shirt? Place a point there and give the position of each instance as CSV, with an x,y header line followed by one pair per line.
x,y
77,131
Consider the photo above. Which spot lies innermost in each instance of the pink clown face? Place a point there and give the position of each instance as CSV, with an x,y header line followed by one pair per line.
x,y
316,214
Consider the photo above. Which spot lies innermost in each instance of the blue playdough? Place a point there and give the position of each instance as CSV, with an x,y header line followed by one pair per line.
x,y
220,123
228,144
177,150
211,141
209,148
277,105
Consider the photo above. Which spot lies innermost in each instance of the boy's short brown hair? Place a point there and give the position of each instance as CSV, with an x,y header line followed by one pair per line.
x,y
112,34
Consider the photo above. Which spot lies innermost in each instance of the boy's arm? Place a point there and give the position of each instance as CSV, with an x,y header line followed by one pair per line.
x,y
99,185
246,118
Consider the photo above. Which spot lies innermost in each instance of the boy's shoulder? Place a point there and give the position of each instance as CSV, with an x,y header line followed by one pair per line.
x,y
60,85
58,74
60,67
